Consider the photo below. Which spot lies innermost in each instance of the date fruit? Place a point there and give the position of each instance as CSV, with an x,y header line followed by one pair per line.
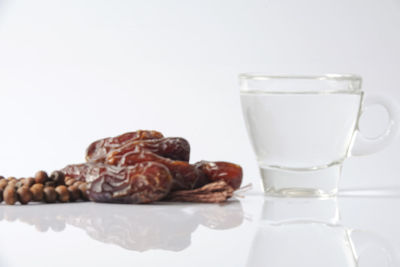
x,y
219,170
97,151
85,172
185,175
175,148
141,183
143,166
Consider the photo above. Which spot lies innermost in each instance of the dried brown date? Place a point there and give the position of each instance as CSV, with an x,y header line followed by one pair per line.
x,y
75,171
97,151
185,175
219,170
141,183
175,148
108,173
85,172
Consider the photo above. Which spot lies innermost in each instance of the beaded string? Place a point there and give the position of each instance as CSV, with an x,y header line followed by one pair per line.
x,y
42,188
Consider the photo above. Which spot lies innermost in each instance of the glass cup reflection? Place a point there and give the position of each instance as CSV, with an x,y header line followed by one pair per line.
x,y
307,232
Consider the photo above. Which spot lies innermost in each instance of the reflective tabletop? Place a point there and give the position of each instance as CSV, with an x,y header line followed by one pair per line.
x,y
358,228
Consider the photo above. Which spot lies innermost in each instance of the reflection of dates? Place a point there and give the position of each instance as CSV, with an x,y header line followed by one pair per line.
x,y
165,227
221,217
98,150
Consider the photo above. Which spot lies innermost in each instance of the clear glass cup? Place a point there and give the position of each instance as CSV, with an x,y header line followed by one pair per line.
x,y
302,128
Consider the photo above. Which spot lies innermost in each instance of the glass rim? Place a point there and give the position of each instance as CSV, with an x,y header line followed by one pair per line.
x,y
338,77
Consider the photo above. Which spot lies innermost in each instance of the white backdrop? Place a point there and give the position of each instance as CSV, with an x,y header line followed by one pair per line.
x,y
75,71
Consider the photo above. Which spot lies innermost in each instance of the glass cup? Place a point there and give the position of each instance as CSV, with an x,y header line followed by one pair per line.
x,y
302,128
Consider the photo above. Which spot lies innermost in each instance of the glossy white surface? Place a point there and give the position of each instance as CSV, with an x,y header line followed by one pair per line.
x,y
253,231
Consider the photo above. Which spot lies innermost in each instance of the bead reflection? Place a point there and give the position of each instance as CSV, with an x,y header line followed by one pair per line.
x,y
138,228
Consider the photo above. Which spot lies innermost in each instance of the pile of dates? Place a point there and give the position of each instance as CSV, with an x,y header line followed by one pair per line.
x,y
145,166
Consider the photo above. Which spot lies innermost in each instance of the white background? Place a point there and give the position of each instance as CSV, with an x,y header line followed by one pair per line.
x,y
75,71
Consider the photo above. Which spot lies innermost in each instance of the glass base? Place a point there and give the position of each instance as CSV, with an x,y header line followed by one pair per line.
x,y
301,183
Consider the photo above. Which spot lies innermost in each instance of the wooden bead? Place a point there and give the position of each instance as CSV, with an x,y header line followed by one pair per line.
x,y
74,193
83,190
58,177
24,195
50,195
41,177
70,182
10,195
20,182
29,181
50,184
62,193
12,182
37,192
3,184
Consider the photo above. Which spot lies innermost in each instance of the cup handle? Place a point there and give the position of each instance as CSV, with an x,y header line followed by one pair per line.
x,y
362,242
363,145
